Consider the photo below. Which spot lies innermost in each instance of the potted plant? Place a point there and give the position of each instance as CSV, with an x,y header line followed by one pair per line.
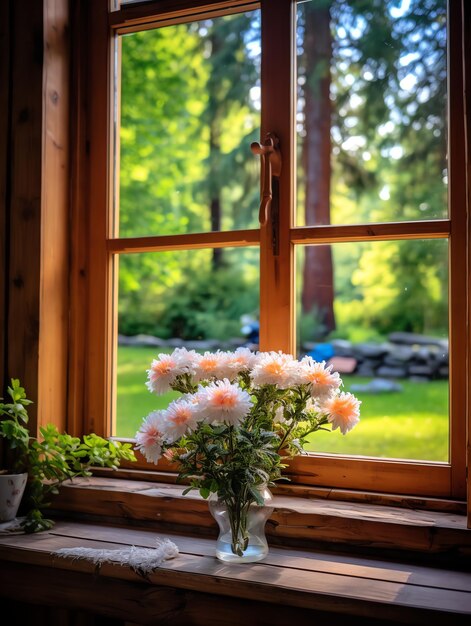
x,y
39,466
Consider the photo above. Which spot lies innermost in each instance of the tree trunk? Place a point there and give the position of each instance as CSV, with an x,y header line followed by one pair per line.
x,y
214,176
318,289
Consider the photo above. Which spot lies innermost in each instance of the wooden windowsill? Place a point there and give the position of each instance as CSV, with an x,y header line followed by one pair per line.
x,y
296,522
195,588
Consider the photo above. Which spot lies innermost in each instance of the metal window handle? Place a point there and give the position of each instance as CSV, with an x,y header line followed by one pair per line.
x,y
270,154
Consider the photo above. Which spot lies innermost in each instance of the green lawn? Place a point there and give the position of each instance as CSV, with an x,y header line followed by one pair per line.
x,y
409,425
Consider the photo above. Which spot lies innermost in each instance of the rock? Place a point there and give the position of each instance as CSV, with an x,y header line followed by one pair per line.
x,y
342,347
421,370
202,345
175,342
393,362
411,339
392,372
141,340
371,349
401,353
343,364
444,371
377,385
365,370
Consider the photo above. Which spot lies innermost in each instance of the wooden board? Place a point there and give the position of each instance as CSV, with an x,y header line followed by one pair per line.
x,y
295,521
312,581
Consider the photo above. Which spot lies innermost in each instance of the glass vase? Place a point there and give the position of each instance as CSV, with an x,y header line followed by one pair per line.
x,y
241,524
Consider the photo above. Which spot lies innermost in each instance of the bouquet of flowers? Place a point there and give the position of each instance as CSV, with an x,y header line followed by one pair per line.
x,y
240,415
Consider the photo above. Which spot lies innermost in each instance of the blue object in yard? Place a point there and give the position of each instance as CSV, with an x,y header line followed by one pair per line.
x,y
252,331
322,352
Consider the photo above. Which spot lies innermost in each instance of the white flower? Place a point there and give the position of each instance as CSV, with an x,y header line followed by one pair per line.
x,y
186,358
239,361
163,372
149,437
211,365
274,368
222,401
321,380
181,417
343,411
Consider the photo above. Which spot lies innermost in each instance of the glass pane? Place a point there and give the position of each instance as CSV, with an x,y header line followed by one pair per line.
x,y
371,119
190,108
378,313
199,299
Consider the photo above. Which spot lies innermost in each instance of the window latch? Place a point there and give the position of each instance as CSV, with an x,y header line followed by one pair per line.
x,y
270,154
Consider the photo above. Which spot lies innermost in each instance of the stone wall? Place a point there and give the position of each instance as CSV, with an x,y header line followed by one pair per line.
x,y
403,355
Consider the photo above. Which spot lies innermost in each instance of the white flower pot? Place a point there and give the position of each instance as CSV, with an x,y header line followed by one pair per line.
x,y
12,487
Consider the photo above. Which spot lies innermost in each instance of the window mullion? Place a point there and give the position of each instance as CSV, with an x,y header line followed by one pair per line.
x,y
277,330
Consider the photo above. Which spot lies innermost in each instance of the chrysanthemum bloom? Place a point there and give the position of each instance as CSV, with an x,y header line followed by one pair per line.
x,y
343,411
186,358
322,381
180,418
222,401
239,361
211,365
163,372
149,437
274,368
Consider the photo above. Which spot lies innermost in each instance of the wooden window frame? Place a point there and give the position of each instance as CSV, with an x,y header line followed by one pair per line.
x,y
96,355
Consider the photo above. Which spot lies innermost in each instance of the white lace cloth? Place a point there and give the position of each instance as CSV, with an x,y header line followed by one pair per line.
x,y
141,560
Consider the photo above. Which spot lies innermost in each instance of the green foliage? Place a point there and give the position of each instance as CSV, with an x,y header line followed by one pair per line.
x,y
184,300
188,115
53,458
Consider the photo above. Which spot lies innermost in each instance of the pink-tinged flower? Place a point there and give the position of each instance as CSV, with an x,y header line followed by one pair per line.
x,y
222,401
343,411
321,380
239,361
274,368
149,437
181,417
187,359
163,373
211,365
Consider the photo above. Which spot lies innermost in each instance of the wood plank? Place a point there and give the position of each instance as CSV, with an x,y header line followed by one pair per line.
x,y
130,18
221,239
466,34
277,271
295,559
132,471
295,521
370,474
149,604
4,170
25,206
97,406
297,587
459,280
79,221
368,232
55,195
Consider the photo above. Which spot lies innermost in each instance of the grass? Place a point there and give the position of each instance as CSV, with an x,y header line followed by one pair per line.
x,y
412,424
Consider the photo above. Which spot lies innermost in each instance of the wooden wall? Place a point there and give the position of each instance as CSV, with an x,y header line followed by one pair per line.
x,y
34,201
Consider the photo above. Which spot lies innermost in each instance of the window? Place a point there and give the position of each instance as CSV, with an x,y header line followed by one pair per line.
x,y
371,234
